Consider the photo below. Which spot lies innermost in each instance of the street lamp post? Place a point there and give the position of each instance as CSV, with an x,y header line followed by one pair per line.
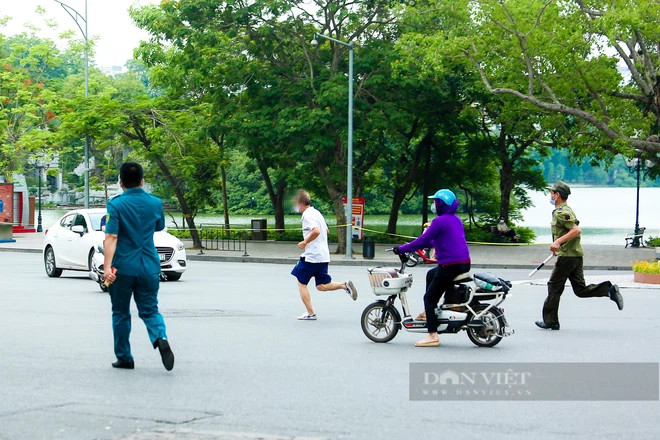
x,y
78,19
635,166
40,164
349,178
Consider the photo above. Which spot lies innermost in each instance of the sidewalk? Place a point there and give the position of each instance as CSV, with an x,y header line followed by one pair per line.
x,y
483,256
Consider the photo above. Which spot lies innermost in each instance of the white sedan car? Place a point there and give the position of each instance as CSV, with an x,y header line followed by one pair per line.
x,y
70,245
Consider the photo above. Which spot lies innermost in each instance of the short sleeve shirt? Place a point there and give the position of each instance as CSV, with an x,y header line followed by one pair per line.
x,y
318,250
134,217
563,220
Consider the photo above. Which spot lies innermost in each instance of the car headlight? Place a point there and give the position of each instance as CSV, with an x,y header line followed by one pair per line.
x,y
179,247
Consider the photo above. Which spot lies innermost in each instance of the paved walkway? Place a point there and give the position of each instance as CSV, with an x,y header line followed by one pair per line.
x,y
483,256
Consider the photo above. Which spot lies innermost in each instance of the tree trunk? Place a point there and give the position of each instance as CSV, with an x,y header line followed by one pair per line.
x,y
279,206
401,192
140,136
506,188
425,186
276,195
225,204
220,142
336,194
397,200
185,208
340,214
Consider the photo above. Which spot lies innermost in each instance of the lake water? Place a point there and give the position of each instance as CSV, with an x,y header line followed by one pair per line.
x,y
606,215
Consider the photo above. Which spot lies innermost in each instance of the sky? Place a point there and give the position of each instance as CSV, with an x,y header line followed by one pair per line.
x,y
108,21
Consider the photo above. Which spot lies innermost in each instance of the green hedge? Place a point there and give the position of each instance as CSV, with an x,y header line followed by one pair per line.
x,y
653,242
476,235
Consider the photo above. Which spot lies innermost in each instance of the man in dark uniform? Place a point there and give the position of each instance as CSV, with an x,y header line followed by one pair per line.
x,y
569,266
132,266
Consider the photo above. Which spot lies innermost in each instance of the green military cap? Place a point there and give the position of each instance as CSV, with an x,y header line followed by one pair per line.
x,y
561,188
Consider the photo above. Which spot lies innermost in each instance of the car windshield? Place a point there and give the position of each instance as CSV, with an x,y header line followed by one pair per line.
x,y
96,220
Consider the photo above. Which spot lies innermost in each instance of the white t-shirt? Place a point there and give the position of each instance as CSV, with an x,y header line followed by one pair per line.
x,y
318,250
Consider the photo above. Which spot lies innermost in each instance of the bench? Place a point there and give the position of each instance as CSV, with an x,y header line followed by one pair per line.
x,y
630,238
498,236
495,232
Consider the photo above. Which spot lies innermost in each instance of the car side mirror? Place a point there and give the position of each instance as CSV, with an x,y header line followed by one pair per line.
x,y
78,229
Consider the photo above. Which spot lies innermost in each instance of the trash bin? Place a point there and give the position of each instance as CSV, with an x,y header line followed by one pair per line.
x,y
368,247
259,229
6,233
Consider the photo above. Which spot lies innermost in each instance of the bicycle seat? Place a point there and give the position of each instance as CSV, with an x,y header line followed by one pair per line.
x,y
463,278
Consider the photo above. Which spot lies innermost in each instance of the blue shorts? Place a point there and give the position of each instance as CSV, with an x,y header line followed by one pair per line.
x,y
304,271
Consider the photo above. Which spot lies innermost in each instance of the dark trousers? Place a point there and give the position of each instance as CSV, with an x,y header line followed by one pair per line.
x,y
441,279
510,234
569,268
145,291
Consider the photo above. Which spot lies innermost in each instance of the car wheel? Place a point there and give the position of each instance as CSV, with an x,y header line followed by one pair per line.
x,y
49,262
89,260
173,276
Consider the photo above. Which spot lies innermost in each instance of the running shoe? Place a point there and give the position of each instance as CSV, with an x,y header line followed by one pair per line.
x,y
307,317
351,290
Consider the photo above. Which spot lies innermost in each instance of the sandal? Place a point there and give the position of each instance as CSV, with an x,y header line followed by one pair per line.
x,y
427,344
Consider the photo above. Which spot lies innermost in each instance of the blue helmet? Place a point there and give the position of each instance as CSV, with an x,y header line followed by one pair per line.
x,y
445,195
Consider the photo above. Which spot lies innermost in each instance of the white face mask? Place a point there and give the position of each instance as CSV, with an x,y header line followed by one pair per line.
x,y
296,208
434,210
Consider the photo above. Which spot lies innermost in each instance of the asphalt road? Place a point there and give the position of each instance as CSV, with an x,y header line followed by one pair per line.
x,y
245,365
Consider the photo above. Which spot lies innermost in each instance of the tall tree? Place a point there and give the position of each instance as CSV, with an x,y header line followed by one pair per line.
x,y
275,82
595,62
27,99
168,134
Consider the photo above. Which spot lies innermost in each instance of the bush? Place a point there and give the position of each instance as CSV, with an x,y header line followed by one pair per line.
x,y
181,234
526,235
295,235
646,267
479,235
653,242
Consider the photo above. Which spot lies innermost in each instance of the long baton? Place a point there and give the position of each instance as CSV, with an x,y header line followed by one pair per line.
x,y
540,266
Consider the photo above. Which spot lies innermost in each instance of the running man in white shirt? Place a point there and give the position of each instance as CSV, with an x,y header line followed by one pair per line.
x,y
316,256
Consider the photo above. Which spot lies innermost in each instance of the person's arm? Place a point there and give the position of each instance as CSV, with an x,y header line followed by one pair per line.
x,y
160,224
574,232
110,246
423,241
110,242
310,238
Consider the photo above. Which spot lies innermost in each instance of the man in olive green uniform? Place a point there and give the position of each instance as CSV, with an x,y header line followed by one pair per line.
x,y
566,235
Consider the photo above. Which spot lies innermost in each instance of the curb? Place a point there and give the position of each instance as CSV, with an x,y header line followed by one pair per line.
x,y
25,251
371,263
338,262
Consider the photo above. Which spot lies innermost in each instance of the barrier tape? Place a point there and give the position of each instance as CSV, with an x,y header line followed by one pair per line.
x,y
481,243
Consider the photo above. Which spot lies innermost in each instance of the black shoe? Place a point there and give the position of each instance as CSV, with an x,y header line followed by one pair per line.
x,y
545,326
126,365
165,353
615,295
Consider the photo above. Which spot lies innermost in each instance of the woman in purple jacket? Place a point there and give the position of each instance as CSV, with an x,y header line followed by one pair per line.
x,y
447,236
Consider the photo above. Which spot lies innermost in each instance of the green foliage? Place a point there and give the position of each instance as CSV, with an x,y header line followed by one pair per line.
x,y
653,242
561,58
